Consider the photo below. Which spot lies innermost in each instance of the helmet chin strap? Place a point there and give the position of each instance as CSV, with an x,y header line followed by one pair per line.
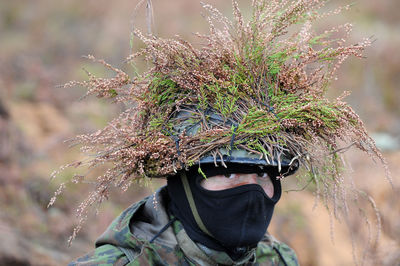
x,y
192,204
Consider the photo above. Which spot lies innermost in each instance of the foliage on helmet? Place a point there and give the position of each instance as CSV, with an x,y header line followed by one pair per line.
x,y
267,77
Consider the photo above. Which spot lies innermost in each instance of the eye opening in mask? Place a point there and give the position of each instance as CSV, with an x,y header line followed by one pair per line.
x,y
220,182
210,170
216,184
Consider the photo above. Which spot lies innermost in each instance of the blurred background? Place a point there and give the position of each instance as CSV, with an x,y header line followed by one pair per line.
x,y
41,46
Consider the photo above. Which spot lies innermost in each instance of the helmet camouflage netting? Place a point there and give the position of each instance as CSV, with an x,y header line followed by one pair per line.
x,y
265,80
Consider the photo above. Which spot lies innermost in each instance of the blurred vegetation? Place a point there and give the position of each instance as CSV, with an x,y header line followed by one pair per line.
x,y
41,46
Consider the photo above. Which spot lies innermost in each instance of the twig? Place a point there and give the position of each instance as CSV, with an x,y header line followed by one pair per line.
x,y
301,189
342,149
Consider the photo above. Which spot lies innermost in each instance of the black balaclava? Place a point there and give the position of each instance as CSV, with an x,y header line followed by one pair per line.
x,y
236,218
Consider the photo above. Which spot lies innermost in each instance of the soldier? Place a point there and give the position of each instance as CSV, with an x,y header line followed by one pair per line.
x,y
218,220
224,124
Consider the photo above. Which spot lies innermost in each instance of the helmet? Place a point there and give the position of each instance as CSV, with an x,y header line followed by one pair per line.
x,y
282,164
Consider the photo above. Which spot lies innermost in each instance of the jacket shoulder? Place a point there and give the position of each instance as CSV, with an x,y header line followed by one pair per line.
x,y
150,254
275,252
110,249
106,255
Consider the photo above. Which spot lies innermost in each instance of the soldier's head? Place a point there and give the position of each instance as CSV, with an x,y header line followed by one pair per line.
x,y
226,199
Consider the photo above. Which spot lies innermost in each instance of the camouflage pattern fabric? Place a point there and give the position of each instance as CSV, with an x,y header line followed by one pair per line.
x,y
126,242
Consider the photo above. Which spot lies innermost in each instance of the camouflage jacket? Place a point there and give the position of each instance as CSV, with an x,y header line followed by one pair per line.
x,y
126,242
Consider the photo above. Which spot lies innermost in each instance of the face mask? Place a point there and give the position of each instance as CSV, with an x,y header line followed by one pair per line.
x,y
235,218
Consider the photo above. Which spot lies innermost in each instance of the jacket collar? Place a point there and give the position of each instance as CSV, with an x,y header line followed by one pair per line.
x,y
139,223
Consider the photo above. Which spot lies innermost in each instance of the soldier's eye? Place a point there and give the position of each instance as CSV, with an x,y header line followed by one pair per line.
x,y
263,175
229,175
